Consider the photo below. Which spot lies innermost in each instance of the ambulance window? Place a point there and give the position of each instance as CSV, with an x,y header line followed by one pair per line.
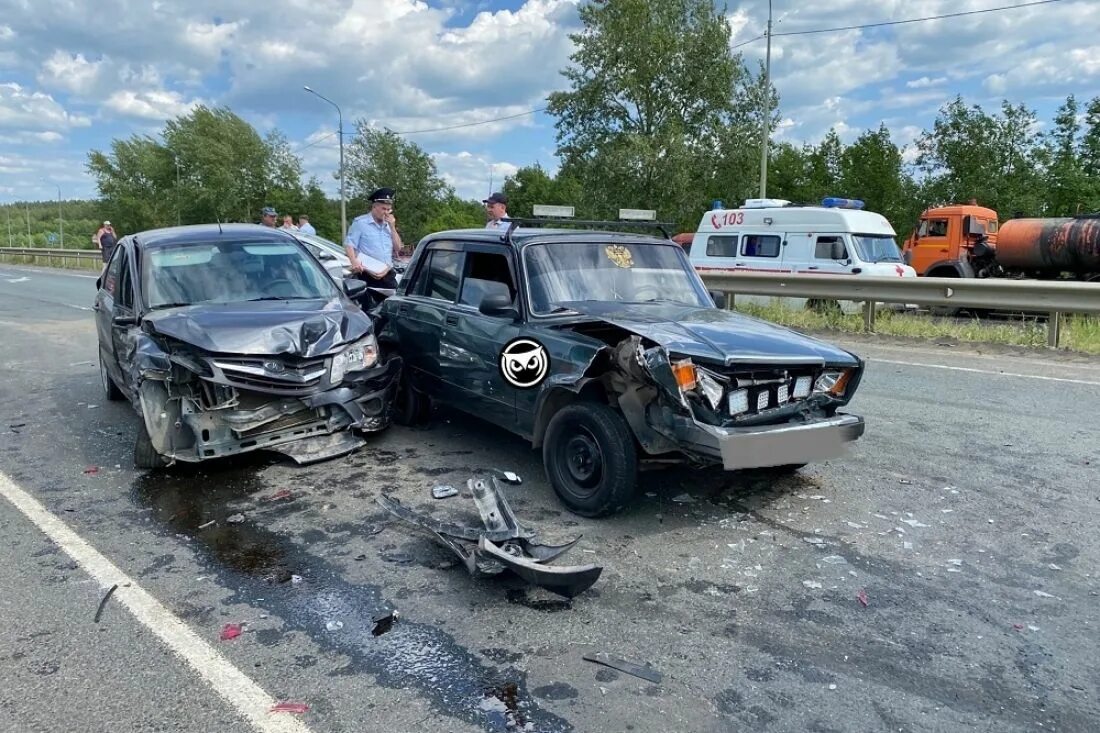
x,y
723,246
760,245
823,248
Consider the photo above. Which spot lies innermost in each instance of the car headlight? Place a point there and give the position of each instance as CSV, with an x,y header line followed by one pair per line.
x,y
833,382
363,354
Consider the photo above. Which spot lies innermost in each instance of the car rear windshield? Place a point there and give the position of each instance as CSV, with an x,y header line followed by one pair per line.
x,y
563,272
231,272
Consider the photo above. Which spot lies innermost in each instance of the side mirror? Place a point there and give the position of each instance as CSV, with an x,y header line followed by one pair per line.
x,y
718,297
324,255
124,319
838,252
354,287
973,227
498,304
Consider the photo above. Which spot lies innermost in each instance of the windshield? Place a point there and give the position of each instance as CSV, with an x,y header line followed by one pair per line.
x,y
231,272
566,272
876,248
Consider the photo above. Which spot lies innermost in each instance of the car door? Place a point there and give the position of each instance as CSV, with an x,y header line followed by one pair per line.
x,y
124,319
934,244
420,313
830,255
472,342
107,304
760,253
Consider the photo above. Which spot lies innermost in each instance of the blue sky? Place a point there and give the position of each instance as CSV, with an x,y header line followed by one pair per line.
x,y
74,75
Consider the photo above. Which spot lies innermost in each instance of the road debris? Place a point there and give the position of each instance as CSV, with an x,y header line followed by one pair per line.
x,y
211,523
502,543
862,597
334,625
230,632
1044,594
443,492
811,583
235,518
834,560
637,670
91,469
913,523
280,495
814,540
684,498
383,622
508,476
295,579
290,707
102,603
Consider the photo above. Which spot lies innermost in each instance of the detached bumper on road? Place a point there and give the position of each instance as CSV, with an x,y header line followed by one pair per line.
x,y
776,445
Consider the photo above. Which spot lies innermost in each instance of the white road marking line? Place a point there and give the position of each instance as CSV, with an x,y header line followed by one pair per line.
x,y
982,371
236,688
78,307
20,280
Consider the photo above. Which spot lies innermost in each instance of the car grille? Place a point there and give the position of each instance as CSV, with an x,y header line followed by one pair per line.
x,y
767,390
272,375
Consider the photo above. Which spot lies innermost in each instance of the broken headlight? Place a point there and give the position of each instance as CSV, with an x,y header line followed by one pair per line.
x,y
710,388
833,382
363,354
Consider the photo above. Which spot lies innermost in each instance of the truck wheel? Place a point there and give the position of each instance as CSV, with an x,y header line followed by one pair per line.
x,y
590,459
145,455
114,394
824,306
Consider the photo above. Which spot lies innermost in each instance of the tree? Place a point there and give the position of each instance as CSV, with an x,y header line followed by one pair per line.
x,y
532,185
380,158
995,159
1067,185
136,182
871,170
1090,156
454,213
651,90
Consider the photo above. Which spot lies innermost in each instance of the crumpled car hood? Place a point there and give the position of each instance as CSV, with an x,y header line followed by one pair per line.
x,y
304,328
714,334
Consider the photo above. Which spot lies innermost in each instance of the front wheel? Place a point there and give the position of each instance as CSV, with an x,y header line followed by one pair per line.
x,y
145,455
590,459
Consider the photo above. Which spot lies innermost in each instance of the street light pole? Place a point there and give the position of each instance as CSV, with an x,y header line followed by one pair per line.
x,y
343,195
60,217
765,127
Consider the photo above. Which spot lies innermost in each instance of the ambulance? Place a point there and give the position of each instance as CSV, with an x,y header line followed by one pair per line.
x,y
773,235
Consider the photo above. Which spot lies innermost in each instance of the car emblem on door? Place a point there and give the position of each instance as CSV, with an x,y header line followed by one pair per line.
x,y
524,363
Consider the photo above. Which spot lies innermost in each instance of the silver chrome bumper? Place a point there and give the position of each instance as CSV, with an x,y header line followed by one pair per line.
x,y
765,446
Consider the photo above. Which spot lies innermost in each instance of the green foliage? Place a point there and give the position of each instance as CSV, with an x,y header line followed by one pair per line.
x,y
454,213
77,220
380,158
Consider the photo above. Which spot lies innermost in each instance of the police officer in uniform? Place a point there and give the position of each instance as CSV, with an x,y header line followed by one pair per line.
x,y
374,235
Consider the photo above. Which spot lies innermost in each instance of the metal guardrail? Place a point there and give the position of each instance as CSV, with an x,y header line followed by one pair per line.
x,y
89,255
1053,297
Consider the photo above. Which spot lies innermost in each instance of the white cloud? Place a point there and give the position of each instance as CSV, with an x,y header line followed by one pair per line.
x,y
70,72
924,82
21,109
472,174
154,105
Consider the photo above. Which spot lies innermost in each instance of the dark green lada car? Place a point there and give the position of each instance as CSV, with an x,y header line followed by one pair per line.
x,y
605,348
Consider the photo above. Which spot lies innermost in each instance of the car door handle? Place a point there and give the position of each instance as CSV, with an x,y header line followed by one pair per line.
x,y
451,319
812,267
403,310
738,264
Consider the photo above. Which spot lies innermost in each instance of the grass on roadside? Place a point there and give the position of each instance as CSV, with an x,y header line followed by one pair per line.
x,y
1079,332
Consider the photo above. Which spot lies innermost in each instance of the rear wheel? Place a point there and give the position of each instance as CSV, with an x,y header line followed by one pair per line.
x,y
114,394
823,306
590,459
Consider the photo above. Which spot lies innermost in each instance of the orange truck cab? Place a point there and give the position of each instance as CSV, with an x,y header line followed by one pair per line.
x,y
943,243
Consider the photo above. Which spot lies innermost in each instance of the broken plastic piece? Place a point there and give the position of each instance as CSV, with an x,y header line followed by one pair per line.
x,y
644,672
684,498
102,603
211,523
231,631
502,543
508,476
91,469
281,494
443,492
290,707
383,622
862,598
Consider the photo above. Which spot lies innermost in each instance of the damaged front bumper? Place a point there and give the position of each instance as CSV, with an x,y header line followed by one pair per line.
x,y
766,446
306,428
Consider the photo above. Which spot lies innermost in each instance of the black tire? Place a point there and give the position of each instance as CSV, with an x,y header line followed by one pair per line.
x,y
145,455
413,407
823,306
114,394
590,459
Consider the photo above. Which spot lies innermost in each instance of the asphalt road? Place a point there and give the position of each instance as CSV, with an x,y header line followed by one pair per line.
x,y
966,518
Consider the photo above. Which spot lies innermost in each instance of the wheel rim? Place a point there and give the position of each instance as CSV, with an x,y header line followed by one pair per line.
x,y
583,460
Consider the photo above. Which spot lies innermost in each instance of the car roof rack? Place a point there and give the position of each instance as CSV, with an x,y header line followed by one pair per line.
x,y
515,222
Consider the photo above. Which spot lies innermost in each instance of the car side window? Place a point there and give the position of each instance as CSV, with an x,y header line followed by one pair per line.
x,y
110,280
823,248
125,296
482,268
441,276
760,245
722,246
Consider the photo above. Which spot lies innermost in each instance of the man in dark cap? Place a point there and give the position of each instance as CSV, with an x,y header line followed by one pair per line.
x,y
268,216
496,208
373,242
